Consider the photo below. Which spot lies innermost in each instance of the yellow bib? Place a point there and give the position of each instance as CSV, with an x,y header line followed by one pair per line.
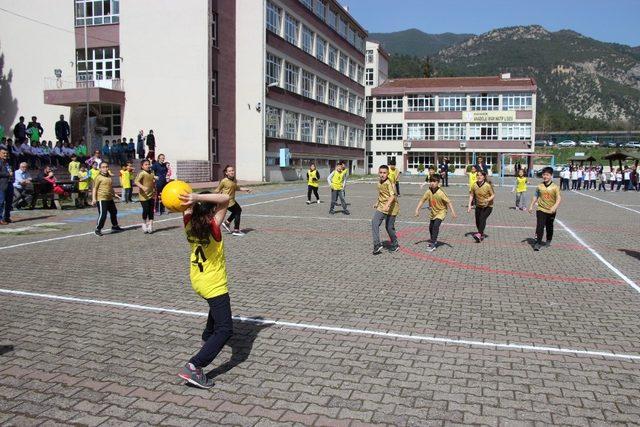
x,y
208,266
336,180
313,178
393,175
521,184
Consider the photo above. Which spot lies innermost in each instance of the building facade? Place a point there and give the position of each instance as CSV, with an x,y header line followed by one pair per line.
x,y
416,122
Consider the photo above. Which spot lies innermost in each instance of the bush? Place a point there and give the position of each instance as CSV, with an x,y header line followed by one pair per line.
x,y
494,169
468,169
452,169
420,168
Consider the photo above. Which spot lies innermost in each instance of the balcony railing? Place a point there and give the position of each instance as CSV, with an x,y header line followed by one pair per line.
x,y
51,83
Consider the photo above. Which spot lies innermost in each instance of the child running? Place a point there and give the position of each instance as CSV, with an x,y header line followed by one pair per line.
x,y
387,208
547,199
208,275
145,181
439,203
337,180
520,189
102,196
229,186
313,176
483,194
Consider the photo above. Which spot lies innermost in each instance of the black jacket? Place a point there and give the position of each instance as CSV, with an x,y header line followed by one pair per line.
x,y
6,178
20,131
151,141
62,129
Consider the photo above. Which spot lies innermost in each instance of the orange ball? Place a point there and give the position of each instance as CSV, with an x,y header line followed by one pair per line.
x,y
170,195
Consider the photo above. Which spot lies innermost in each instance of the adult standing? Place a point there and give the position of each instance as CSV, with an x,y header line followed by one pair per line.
x,y
482,165
444,171
34,130
6,187
20,131
140,145
62,130
160,170
151,145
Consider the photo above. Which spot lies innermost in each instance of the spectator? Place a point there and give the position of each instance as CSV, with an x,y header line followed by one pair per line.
x,y
106,151
115,151
34,130
140,145
151,144
13,153
131,150
6,187
95,159
81,151
62,130
444,171
123,151
22,187
159,169
482,165
56,154
20,131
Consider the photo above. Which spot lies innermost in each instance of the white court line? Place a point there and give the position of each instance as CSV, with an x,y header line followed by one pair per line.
x,y
126,227
605,201
600,258
338,329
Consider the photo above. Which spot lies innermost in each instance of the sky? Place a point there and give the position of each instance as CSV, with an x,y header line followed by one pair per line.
x,y
614,21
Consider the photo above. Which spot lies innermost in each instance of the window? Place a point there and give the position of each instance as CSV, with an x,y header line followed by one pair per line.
x,y
97,12
321,46
333,56
306,128
291,75
351,103
351,36
369,102
485,102
290,125
214,29
273,66
360,74
342,99
274,16
291,26
342,63
516,101
483,131
351,142
333,93
421,131
214,88
110,118
342,27
103,63
414,160
359,102
369,130
516,131
369,56
319,9
272,121
332,18
360,43
368,77
390,132
458,160
389,104
307,84
320,126
321,87
352,69
342,134
213,148
420,103
307,3
452,131
331,133
452,102
307,40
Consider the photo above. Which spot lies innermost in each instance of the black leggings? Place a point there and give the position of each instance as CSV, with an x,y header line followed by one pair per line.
x,y
434,229
544,220
236,211
481,218
217,332
104,207
147,209
314,190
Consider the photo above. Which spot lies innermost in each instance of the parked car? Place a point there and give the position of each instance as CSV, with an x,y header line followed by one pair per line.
x,y
611,144
540,143
632,144
567,143
588,144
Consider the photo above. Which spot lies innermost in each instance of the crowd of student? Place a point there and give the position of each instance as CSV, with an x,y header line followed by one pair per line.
x,y
591,178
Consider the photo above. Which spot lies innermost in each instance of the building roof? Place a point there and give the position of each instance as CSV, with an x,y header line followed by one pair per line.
x,y
455,84
381,49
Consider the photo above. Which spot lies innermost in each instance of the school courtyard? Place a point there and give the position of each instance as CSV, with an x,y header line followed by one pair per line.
x,y
94,329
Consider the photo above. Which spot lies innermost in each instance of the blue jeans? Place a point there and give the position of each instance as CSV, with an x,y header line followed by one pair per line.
x,y
217,332
6,202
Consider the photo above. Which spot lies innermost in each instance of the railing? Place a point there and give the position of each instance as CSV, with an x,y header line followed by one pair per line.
x,y
51,83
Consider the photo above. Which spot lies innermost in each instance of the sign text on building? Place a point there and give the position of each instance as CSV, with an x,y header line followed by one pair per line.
x,y
489,116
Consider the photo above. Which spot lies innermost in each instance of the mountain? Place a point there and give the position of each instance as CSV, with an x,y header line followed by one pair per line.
x,y
414,42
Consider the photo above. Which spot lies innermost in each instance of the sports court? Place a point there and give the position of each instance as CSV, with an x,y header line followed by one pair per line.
x,y
325,332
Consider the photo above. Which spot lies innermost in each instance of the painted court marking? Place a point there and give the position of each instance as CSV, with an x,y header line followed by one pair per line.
x,y
338,329
606,201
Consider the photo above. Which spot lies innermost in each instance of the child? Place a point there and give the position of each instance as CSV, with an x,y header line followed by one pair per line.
x,y
337,180
430,172
394,175
83,186
574,178
313,176
473,176
208,274
229,186
520,188
387,209
618,179
131,179
125,182
74,169
603,181
547,199
439,203
482,192
145,181
102,196
592,178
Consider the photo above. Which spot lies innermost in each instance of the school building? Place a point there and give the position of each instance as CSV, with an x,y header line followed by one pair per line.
x,y
266,85
418,121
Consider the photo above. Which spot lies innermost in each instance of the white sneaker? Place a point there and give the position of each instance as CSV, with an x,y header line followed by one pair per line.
x,y
318,202
144,228
238,233
226,227
308,202
150,229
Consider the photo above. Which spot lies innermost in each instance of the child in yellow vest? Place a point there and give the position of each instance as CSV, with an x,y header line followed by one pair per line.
x,y
520,189
439,203
337,180
394,176
202,221
83,186
483,194
547,199
125,183
313,176
387,209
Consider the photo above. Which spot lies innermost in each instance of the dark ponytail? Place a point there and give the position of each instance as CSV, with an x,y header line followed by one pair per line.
x,y
201,215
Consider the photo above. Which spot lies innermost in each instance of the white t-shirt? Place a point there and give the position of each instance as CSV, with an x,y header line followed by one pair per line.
x,y
618,177
627,175
574,175
592,175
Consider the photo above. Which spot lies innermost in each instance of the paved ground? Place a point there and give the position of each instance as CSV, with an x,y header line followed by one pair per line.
x,y
488,333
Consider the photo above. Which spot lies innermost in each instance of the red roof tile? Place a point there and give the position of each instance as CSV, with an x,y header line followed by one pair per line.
x,y
435,84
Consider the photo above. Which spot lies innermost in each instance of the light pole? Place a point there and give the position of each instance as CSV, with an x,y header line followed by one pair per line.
x,y
86,83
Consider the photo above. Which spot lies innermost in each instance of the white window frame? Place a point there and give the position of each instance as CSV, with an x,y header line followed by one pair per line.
x,y
307,84
307,39
319,8
273,119
103,64
342,98
452,131
421,102
291,24
321,88
320,131
273,69
332,95
214,88
517,131
485,102
389,104
291,77
331,133
291,124
332,56
274,18
452,102
389,131
368,79
101,18
517,101
321,48
422,131
483,131
213,20
343,59
306,128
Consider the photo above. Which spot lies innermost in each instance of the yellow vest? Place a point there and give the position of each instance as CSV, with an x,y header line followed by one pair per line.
x,y
313,178
521,184
472,179
83,185
393,175
336,180
208,271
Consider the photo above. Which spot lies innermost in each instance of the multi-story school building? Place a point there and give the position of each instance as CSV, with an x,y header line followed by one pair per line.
x,y
266,85
419,121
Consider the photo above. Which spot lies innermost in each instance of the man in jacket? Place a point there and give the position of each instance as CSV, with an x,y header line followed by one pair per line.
x,y
6,187
140,145
62,130
151,144
20,131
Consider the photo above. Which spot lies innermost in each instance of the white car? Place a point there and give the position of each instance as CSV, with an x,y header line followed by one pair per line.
x,y
588,144
567,143
632,144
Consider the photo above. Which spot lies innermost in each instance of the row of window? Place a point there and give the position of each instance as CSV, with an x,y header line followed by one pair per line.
x,y
483,102
306,39
285,124
336,21
450,131
101,63
97,12
457,160
298,80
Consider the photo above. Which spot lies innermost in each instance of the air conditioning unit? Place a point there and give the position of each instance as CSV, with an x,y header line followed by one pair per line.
x,y
463,145
407,144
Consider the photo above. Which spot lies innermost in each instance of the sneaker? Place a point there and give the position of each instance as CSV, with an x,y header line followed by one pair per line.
x,y
318,201
346,212
98,232
377,249
477,237
150,229
547,243
332,213
536,247
195,376
431,248
394,248
144,228
308,202
226,226
116,229
237,233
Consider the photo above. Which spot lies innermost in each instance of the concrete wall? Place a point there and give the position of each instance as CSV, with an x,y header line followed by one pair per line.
x,y
164,47
31,51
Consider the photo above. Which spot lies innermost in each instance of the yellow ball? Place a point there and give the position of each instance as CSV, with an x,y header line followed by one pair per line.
x,y
170,194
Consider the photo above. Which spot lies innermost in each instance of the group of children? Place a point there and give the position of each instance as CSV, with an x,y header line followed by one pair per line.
x,y
586,178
